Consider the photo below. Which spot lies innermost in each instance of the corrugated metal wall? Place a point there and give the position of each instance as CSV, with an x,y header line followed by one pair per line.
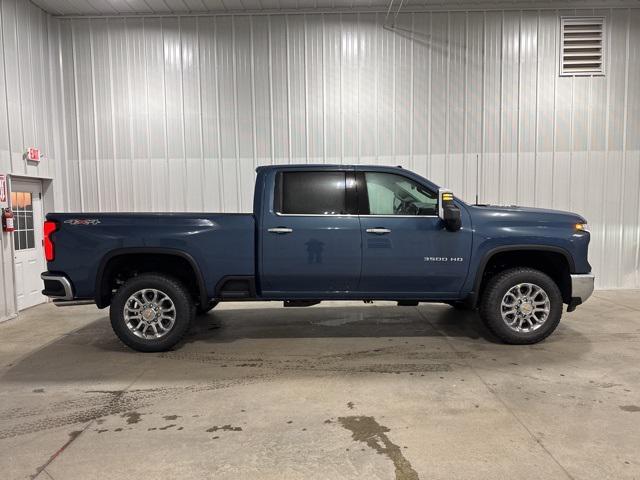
x,y
29,109
175,113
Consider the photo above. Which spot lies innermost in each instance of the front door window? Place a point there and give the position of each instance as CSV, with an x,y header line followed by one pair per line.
x,y
391,194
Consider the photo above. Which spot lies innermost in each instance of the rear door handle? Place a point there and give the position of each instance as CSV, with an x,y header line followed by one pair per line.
x,y
280,230
378,231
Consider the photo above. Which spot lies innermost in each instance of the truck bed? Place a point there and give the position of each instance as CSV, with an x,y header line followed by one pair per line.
x,y
222,244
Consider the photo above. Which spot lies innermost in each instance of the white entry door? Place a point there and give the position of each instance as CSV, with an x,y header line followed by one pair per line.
x,y
26,203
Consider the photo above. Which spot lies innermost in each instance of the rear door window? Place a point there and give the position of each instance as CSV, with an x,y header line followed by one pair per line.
x,y
312,193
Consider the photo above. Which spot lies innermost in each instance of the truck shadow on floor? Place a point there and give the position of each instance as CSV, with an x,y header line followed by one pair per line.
x,y
247,341
229,325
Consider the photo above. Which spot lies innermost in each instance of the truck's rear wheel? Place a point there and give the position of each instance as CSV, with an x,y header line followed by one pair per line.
x,y
521,306
151,312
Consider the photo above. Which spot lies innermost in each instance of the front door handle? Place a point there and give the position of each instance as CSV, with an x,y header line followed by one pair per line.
x,y
280,230
378,231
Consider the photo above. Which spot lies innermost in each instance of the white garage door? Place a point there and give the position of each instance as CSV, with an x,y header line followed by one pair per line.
x,y
26,203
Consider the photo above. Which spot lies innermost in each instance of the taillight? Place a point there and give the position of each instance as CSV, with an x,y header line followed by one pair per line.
x,y
49,248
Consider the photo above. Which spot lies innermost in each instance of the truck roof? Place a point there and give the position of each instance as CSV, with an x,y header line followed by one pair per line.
x,y
323,166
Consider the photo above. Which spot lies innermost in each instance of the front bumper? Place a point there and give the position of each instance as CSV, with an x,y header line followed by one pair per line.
x,y
581,289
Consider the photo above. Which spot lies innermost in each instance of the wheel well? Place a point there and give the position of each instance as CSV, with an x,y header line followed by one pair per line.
x,y
554,264
118,269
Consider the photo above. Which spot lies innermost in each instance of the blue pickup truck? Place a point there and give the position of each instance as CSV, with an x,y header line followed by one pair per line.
x,y
323,232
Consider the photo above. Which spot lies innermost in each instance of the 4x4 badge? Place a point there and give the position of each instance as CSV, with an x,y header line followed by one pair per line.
x,y
82,221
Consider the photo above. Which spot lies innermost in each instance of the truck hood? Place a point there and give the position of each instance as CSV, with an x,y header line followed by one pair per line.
x,y
515,212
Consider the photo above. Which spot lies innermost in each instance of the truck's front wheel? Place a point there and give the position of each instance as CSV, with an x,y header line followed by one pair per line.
x,y
521,306
151,312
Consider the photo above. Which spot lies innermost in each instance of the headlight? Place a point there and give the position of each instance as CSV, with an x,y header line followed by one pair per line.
x,y
583,227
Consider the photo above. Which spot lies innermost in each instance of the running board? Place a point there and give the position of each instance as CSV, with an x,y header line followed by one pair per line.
x,y
300,303
71,303
407,303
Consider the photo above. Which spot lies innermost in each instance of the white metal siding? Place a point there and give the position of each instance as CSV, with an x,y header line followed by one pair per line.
x,y
175,113
29,109
163,7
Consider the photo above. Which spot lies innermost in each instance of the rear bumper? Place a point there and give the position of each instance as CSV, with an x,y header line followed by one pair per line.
x,y
581,289
57,286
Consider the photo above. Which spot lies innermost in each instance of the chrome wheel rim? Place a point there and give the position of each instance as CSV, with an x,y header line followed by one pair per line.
x,y
149,314
525,307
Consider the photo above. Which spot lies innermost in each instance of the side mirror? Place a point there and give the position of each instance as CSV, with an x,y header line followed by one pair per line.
x,y
448,211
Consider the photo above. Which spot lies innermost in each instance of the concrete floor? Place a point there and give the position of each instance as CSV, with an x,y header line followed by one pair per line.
x,y
327,392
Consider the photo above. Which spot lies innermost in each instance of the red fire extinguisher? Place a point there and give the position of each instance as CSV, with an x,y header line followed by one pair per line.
x,y
7,220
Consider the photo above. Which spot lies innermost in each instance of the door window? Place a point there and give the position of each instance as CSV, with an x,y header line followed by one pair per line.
x,y
22,206
312,193
391,194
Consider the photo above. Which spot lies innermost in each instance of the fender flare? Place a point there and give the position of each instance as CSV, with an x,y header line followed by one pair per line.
x,y
204,298
474,296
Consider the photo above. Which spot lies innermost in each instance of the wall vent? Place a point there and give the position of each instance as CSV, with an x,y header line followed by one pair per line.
x,y
582,47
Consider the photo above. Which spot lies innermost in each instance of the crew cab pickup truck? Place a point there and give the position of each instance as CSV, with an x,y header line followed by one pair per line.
x,y
323,232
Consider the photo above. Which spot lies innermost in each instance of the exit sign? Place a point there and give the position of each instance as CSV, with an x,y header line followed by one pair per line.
x,y
33,154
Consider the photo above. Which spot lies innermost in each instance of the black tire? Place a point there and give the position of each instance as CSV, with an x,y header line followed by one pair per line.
x,y
208,308
177,293
497,288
